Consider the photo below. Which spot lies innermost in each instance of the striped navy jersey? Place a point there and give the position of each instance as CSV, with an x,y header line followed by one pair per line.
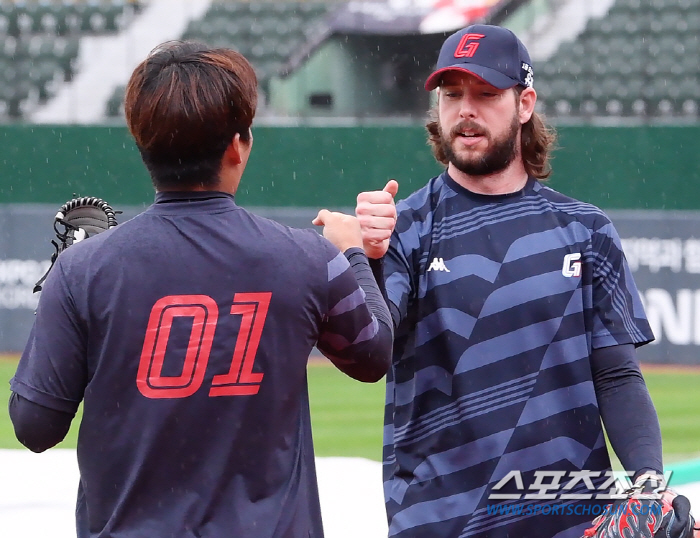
x,y
498,302
186,333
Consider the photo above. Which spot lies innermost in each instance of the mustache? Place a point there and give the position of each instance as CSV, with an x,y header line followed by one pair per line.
x,y
468,126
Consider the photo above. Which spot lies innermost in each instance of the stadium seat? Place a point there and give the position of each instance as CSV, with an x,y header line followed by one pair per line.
x,y
114,17
218,10
689,108
25,22
70,23
45,35
629,92
93,20
631,65
628,6
266,32
546,70
599,95
17,96
44,75
115,104
571,49
692,20
670,21
193,30
596,27
21,50
688,95
642,58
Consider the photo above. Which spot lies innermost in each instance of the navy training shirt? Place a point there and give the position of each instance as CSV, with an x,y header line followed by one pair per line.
x,y
186,333
499,302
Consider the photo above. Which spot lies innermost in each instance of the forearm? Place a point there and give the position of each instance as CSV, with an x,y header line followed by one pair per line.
x,y
626,408
372,357
37,427
377,266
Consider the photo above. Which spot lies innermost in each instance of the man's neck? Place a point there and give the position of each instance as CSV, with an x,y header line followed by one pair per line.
x,y
512,179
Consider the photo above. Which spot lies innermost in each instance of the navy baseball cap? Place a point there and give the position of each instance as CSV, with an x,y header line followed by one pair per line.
x,y
492,53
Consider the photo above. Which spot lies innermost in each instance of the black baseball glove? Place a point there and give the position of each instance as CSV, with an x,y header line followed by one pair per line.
x,y
648,510
79,219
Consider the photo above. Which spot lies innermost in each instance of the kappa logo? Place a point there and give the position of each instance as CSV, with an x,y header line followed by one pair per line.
x,y
572,265
465,49
438,264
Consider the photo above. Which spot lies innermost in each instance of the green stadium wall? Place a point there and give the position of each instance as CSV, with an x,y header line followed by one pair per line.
x,y
644,167
645,177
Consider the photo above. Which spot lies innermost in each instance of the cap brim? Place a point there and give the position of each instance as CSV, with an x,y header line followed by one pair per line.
x,y
488,75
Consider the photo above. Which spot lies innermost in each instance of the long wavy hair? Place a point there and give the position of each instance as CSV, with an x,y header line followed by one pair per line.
x,y
537,142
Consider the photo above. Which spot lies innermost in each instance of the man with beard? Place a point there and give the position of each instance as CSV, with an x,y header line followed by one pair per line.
x,y
516,322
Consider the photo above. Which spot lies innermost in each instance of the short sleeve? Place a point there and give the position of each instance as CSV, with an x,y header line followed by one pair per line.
x,y
619,316
52,370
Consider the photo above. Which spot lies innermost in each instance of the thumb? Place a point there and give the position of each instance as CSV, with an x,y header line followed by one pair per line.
x,y
320,219
392,187
679,524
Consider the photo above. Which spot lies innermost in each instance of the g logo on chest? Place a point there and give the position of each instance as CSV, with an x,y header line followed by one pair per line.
x,y
572,265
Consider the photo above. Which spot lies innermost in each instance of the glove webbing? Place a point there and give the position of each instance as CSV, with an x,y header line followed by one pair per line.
x,y
63,237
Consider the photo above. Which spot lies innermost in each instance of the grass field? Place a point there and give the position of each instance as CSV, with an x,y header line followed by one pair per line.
x,y
347,416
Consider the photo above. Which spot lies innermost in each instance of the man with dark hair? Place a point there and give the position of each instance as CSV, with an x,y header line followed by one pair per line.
x,y
186,330
516,321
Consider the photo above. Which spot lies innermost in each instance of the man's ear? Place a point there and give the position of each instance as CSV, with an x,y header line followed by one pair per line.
x,y
528,98
233,154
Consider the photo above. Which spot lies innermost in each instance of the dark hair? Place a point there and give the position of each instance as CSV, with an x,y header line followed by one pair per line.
x,y
537,141
183,105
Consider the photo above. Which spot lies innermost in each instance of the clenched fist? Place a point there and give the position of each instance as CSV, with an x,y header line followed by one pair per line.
x,y
340,229
376,212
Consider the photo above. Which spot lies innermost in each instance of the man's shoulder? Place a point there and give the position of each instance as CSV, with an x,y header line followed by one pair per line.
x,y
565,204
305,242
269,225
421,200
142,232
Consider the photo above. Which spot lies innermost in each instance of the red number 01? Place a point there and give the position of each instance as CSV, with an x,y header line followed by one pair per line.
x,y
240,379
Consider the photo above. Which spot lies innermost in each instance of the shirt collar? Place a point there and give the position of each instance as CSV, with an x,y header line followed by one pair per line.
x,y
180,202
166,197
